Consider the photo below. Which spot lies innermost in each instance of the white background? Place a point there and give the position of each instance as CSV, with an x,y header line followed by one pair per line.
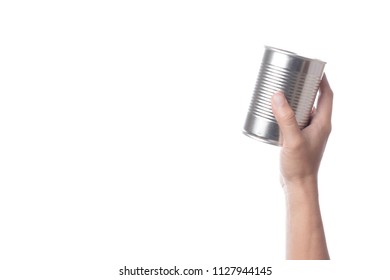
x,y
121,143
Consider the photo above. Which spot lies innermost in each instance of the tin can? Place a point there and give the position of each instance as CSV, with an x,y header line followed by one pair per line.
x,y
297,77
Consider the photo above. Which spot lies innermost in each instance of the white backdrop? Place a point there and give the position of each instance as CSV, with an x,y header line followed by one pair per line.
x,y
121,143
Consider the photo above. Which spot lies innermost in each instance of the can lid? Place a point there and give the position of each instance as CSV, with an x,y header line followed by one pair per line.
x,y
292,54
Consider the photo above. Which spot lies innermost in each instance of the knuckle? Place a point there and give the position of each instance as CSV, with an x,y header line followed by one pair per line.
x,y
288,117
326,128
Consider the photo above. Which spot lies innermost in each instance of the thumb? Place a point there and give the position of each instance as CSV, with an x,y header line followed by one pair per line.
x,y
286,119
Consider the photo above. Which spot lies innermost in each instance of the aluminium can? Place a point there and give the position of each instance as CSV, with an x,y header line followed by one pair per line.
x,y
297,77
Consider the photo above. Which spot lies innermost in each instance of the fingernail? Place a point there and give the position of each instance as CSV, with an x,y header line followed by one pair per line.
x,y
279,99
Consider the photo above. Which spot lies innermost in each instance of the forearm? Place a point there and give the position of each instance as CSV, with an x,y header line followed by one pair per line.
x,y
305,235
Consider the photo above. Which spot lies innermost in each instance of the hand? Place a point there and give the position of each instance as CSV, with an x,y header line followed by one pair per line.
x,y
300,160
302,150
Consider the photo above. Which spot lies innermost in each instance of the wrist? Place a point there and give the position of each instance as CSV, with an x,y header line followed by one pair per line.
x,y
302,193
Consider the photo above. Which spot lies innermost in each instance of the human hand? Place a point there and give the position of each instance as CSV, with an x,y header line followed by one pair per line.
x,y
302,150
300,160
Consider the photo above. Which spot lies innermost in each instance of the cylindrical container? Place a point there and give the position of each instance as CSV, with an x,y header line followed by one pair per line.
x,y
297,77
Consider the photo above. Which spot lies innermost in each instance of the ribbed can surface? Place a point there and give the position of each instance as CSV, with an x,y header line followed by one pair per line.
x,y
297,77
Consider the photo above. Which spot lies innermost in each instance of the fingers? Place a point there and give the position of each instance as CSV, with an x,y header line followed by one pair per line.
x,y
324,105
286,119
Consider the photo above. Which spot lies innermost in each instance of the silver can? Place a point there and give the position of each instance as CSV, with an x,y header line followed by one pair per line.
x,y
297,77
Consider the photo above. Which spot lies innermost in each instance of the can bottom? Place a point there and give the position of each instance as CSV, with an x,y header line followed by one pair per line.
x,y
262,139
262,129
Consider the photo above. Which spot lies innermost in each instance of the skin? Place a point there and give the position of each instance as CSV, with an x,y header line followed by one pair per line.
x,y
300,160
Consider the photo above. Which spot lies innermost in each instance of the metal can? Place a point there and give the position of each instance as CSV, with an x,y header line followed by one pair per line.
x,y
297,77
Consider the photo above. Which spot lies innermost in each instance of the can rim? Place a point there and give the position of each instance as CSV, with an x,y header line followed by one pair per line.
x,y
289,53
